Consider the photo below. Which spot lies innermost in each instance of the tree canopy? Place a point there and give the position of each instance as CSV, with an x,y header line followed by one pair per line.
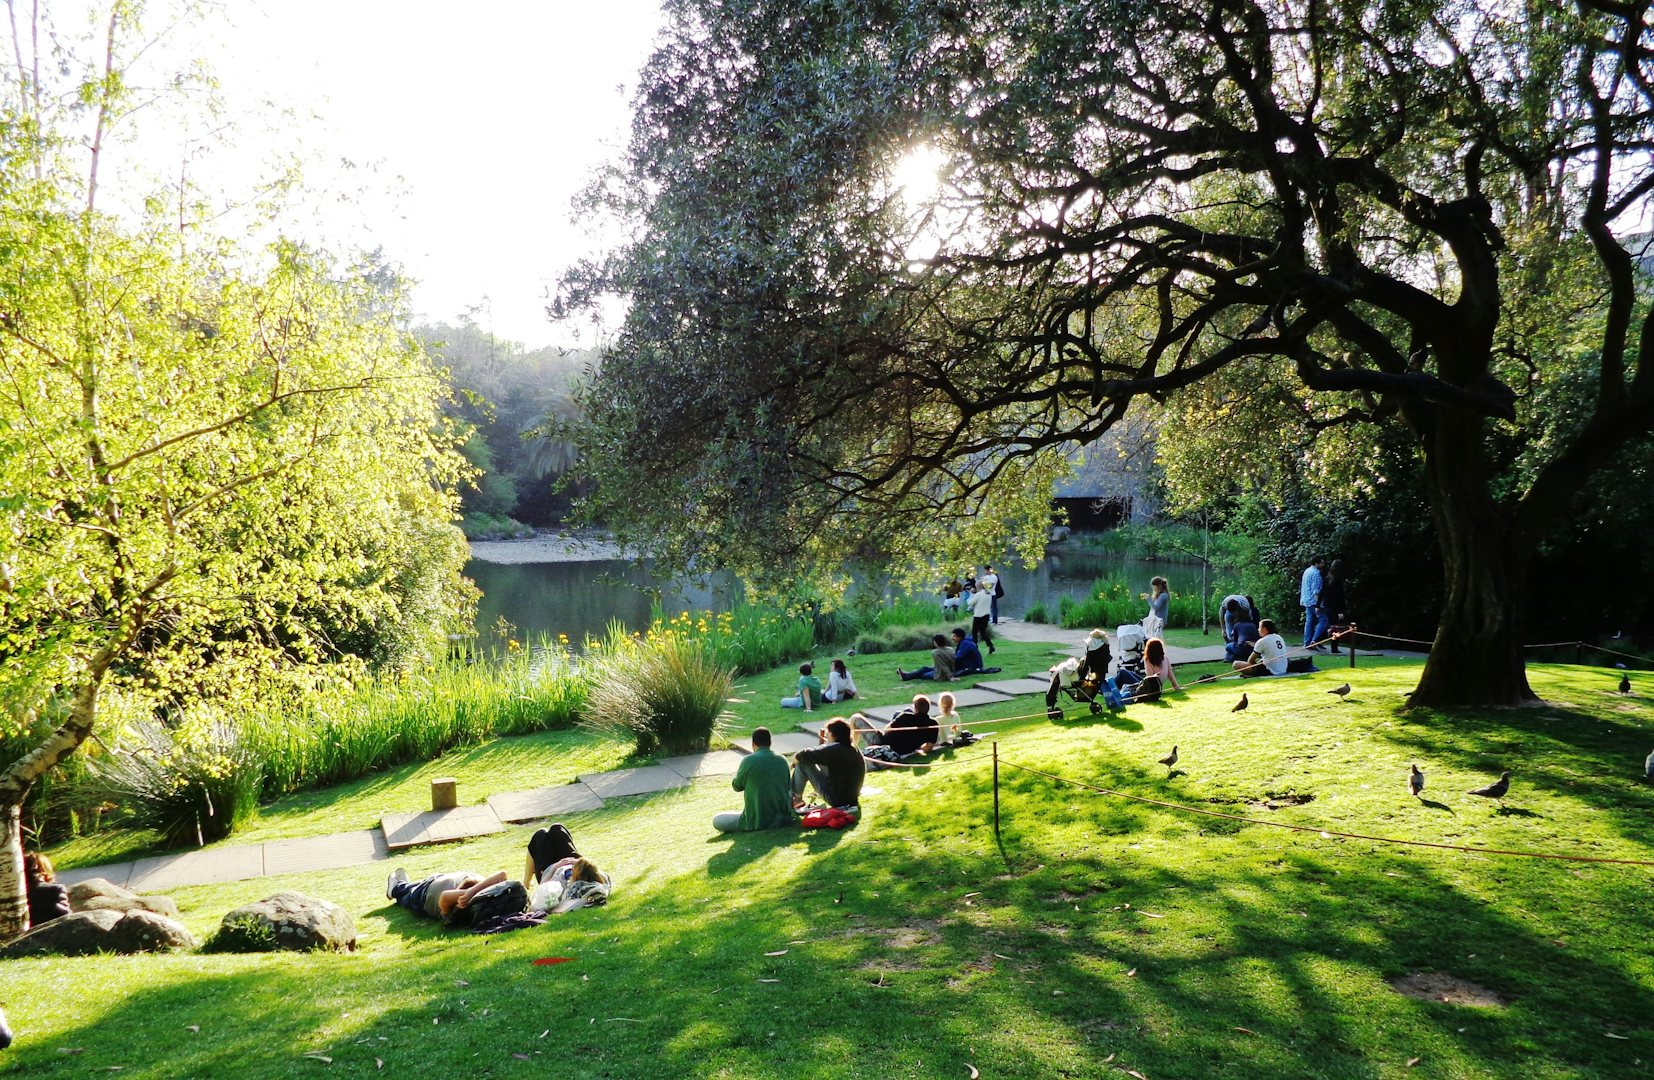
x,y
218,473
1414,215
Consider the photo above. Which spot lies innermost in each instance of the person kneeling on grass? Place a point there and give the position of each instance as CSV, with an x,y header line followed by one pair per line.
x,y
439,896
762,777
941,663
809,690
835,768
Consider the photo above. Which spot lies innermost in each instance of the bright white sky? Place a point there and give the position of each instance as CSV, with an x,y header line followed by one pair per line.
x,y
470,127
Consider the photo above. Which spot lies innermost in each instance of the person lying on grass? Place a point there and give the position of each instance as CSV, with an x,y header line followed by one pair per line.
x,y
438,896
558,877
762,777
835,768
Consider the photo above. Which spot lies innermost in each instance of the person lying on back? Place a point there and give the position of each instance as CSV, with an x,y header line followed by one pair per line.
x,y
835,769
440,895
967,658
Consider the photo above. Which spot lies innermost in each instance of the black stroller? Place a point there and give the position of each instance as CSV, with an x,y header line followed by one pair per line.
x,y
1088,678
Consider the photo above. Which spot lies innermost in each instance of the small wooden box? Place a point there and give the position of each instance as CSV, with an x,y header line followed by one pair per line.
x,y
444,793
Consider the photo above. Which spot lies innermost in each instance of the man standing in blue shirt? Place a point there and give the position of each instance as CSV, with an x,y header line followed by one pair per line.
x,y
1309,598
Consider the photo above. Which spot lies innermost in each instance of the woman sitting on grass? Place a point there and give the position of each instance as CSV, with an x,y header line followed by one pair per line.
x,y
1157,665
47,899
840,686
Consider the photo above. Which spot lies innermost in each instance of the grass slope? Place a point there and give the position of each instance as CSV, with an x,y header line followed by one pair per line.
x,y
1103,935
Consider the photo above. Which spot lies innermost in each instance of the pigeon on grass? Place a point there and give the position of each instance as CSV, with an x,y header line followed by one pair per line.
x,y
1169,761
1240,706
1625,684
1496,790
1342,691
1415,781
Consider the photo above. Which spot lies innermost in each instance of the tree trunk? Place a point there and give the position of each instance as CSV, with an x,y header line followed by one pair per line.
x,y
14,898
1477,655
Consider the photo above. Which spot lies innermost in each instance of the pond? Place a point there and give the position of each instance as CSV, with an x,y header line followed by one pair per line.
x,y
581,598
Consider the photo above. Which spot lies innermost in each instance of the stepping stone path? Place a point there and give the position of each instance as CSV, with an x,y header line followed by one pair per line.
x,y
406,830
546,802
785,743
716,763
1014,687
974,695
643,781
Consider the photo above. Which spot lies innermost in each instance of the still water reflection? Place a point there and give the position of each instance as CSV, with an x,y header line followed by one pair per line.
x,y
581,598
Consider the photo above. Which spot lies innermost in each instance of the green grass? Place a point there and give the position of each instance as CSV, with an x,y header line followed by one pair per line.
x,y
1103,935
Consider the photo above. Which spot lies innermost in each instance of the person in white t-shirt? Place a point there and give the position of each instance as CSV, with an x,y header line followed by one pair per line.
x,y
990,579
1268,653
982,604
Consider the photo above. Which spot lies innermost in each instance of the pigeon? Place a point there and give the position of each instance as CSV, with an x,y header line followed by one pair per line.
x,y
1648,766
1495,790
1341,691
1169,760
1625,684
1240,706
1415,781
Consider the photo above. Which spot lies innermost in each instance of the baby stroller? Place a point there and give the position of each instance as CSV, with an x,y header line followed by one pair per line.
x,y
1083,680
1132,638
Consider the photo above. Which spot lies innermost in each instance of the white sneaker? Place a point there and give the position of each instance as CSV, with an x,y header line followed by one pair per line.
x,y
398,876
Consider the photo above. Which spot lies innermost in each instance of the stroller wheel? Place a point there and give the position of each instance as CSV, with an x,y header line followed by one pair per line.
x,y
1053,714
1095,708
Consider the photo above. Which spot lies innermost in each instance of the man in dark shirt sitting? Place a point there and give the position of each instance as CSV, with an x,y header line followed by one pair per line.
x,y
912,731
835,768
967,658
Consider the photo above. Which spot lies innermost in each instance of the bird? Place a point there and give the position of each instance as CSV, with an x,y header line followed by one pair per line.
x,y
1240,706
1169,760
1625,684
1415,781
1341,691
1495,790
1648,766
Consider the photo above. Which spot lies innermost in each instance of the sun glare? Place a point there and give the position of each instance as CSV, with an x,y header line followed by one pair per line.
x,y
918,174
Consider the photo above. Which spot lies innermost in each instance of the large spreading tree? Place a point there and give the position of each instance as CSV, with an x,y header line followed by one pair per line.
x,y
1418,212
222,472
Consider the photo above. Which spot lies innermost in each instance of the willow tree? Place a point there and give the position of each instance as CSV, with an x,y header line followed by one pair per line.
x,y
213,464
1135,195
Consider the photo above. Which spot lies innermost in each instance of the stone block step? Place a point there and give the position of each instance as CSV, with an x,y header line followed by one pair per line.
x,y
641,781
404,830
546,802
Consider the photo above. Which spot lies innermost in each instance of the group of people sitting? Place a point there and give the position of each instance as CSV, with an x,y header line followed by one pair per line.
x,y
840,687
1251,643
949,661
774,794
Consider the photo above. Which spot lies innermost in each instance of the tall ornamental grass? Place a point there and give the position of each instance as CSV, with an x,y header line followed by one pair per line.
x,y
1113,602
749,639
415,716
191,784
666,691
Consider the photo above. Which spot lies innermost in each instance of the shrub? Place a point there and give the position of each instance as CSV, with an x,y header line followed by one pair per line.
x,y
244,934
667,691
190,785
1037,613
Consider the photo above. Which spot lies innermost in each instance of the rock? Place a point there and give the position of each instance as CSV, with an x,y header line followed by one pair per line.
x,y
101,894
287,920
87,932
1059,534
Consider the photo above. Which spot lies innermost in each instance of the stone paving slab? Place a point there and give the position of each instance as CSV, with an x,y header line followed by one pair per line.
x,y
209,867
716,763
546,802
324,852
642,781
785,743
114,873
404,830
1015,687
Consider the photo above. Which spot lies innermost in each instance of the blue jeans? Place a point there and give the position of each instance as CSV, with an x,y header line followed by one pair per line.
x,y
411,894
922,673
1316,624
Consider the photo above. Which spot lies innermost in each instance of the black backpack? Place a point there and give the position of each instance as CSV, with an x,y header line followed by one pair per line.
x,y
999,588
506,898
1147,690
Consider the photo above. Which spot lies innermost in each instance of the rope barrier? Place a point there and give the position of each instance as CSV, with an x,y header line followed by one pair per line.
x,y
1326,832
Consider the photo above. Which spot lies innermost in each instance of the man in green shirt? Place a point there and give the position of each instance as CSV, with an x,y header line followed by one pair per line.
x,y
809,690
765,780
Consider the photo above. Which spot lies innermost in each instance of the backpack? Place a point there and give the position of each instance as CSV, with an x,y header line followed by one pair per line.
x,y
551,845
999,588
1147,690
506,898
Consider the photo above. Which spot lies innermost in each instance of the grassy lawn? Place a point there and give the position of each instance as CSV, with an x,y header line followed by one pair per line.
x,y
1101,936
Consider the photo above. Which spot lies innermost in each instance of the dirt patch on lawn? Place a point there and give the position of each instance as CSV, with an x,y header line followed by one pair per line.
x,y
1275,802
1439,986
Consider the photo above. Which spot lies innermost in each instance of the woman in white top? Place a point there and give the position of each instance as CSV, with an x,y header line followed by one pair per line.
x,y
840,686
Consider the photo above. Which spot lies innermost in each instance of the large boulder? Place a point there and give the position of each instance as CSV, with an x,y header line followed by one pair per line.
x,y
101,894
287,920
86,932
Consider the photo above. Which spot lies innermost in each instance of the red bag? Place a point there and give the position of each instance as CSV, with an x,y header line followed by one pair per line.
x,y
827,817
